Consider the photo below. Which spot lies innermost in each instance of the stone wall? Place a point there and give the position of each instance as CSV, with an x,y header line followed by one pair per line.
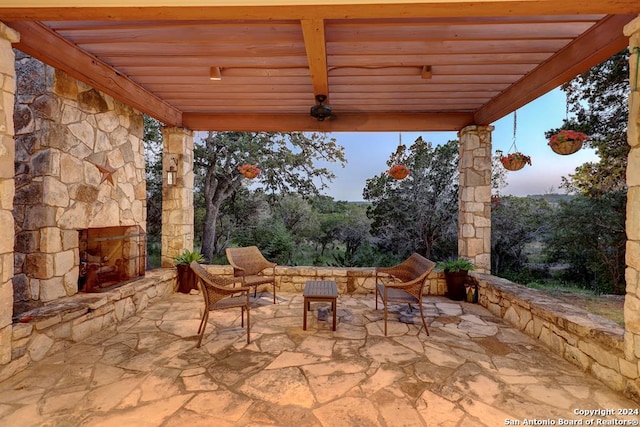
x,y
79,164
7,96
349,280
593,343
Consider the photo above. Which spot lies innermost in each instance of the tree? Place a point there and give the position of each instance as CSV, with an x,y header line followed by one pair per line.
x,y
419,213
153,170
287,161
599,99
516,222
589,233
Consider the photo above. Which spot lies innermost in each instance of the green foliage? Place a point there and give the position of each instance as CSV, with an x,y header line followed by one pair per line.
x,y
153,171
455,265
599,100
589,234
274,240
516,222
187,257
419,213
289,164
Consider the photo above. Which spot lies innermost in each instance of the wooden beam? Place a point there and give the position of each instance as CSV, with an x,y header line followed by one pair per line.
x,y
50,10
315,44
47,46
593,47
343,122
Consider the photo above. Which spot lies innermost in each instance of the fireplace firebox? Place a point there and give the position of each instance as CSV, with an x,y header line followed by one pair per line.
x,y
110,256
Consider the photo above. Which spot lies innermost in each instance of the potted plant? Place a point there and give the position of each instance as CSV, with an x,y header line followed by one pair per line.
x,y
186,277
249,170
455,274
567,141
515,161
398,172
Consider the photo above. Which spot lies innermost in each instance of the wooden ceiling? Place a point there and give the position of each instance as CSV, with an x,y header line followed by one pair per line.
x,y
384,65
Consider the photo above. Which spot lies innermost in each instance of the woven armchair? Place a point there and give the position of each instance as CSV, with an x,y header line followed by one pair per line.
x,y
251,266
219,294
403,283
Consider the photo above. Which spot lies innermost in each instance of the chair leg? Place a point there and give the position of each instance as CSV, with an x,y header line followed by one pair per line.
x,y
274,292
204,315
376,296
242,317
423,321
204,326
248,321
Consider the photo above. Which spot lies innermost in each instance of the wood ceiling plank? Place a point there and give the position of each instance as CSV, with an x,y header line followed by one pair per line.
x,y
314,40
595,46
165,32
176,10
206,60
353,122
227,72
348,32
445,47
212,48
46,46
402,59
204,79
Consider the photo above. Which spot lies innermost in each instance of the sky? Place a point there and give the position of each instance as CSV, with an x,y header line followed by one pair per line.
x,y
367,152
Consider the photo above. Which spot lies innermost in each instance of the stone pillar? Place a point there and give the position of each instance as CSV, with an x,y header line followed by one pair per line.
x,y
632,273
7,186
474,217
177,200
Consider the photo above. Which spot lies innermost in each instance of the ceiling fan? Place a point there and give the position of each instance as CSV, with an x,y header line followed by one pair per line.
x,y
320,111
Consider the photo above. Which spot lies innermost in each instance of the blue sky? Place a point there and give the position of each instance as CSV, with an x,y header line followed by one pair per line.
x,y
367,153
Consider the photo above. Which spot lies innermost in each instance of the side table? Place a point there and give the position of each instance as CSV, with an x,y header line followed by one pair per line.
x,y
320,291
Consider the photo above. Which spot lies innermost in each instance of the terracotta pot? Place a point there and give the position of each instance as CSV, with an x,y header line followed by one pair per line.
x,y
455,284
398,172
186,279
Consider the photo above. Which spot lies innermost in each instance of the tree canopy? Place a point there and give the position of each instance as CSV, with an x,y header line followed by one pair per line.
x,y
288,163
419,213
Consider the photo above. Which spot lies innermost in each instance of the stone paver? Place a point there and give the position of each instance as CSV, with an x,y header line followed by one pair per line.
x,y
474,369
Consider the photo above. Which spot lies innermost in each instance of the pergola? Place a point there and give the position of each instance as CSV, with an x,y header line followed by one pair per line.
x,y
383,65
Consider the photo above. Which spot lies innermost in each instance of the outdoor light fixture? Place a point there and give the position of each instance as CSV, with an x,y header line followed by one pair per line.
x,y
426,72
172,173
215,74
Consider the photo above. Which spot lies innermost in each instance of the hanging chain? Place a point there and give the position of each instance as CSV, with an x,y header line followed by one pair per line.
x,y
515,127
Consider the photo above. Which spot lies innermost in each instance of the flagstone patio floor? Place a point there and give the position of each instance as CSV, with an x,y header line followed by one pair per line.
x,y
473,370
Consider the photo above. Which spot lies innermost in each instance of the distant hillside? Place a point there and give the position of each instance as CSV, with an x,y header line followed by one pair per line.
x,y
552,199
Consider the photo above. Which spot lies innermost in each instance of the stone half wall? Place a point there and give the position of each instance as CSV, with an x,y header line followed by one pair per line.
x,y
79,164
591,342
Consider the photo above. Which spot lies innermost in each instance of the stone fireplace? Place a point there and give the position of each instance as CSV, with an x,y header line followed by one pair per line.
x,y
80,196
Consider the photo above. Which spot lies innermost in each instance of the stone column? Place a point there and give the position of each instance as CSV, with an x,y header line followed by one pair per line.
x,y
7,186
177,200
632,274
474,217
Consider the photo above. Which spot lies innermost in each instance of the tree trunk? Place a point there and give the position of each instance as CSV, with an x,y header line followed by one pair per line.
x,y
209,230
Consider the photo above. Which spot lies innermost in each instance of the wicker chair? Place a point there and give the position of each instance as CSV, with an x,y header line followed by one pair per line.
x,y
249,264
219,296
403,283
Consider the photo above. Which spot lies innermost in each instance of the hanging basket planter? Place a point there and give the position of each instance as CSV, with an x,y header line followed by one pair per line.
x,y
398,172
249,171
515,161
567,142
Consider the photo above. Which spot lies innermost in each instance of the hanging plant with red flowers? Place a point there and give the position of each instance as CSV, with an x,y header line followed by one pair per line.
x,y
398,172
567,141
515,161
249,170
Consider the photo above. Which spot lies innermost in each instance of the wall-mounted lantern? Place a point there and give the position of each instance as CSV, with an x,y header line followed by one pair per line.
x,y
172,173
